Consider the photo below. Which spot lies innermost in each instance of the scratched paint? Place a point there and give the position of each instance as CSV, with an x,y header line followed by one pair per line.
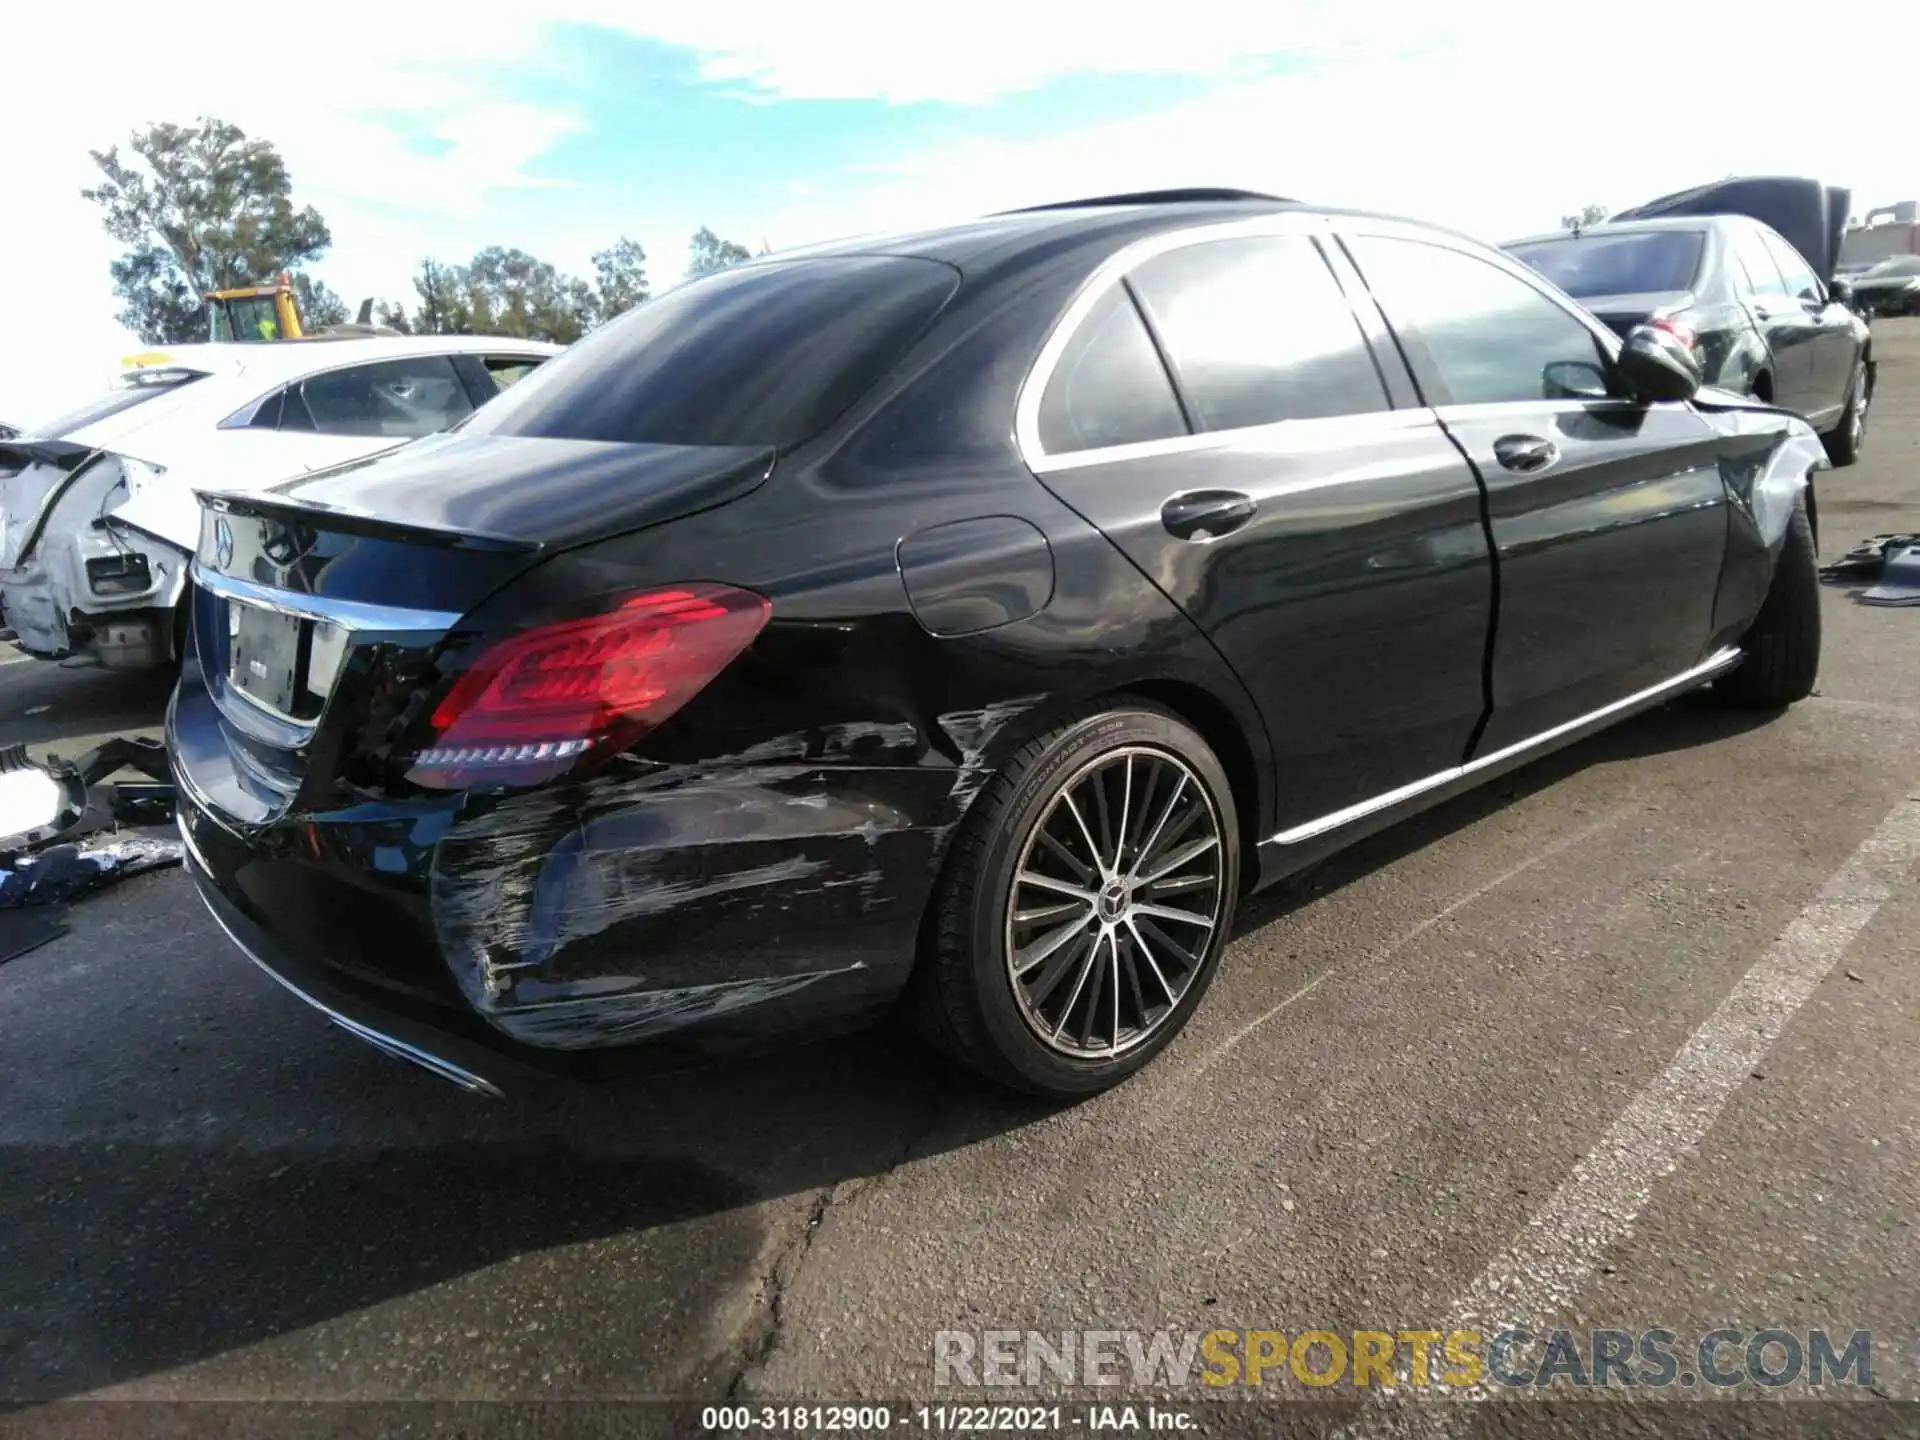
x,y
973,733
530,897
589,1022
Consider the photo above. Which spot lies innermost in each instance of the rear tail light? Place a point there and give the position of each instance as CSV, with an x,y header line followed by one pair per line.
x,y
536,703
1679,332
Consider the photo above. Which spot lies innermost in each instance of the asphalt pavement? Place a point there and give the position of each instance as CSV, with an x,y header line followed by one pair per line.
x,y
1625,1040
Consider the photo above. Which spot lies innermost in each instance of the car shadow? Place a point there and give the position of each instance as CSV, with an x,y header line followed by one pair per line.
x,y
363,1182
134,1258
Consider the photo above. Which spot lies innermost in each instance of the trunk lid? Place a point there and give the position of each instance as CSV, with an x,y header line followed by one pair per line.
x,y
544,494
326,607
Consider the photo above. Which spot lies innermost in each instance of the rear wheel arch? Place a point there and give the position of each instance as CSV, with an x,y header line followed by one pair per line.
x,y
1193,704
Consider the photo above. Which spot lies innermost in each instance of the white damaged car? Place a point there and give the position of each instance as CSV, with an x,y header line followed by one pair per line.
x,y
98,516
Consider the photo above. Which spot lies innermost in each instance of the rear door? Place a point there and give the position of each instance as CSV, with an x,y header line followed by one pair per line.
x,y
1607,516
1780,317
1828,341
1219,411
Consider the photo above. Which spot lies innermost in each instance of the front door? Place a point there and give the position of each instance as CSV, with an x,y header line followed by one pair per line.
x,y
1608,517
1222,417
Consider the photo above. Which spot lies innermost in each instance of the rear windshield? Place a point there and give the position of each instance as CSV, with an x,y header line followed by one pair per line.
x,y
131,391
1897,265
768,354
1632,264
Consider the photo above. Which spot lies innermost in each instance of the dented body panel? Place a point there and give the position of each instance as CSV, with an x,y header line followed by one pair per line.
x,y
759,867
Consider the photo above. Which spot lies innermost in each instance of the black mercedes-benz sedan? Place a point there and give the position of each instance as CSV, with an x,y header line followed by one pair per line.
x,y
1763,321
960,622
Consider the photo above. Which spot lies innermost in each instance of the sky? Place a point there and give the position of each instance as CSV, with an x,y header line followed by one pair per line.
x,y
432,130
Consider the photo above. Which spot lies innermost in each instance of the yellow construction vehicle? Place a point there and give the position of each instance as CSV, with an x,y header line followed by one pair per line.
x,y
254,312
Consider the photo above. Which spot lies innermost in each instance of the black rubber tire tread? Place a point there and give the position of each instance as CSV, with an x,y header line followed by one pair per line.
x,y
1783,644
1842,448
949,1001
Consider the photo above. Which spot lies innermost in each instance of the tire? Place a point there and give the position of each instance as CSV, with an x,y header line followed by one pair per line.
x,y
1782,646
1122,984
1843,442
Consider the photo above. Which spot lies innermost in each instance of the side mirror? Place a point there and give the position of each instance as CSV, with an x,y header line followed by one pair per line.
x,y
1655,366
1840,289
1573,380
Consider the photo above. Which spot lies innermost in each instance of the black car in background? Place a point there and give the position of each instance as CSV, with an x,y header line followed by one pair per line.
x,y
1889,287
969,618
1731,288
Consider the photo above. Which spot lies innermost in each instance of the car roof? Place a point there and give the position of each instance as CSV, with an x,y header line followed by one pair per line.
x,y
275,362
1694,224
1105,223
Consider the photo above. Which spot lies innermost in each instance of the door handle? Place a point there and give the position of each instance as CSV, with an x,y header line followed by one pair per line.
x,y
1760,312
1525,453
1201,515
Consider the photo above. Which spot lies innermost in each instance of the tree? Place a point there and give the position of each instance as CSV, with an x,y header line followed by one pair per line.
x,y
504,291
622,273
318,304
161,308
201,207
709,253
1589,215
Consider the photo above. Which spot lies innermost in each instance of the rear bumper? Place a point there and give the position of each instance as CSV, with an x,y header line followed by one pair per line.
x,y
83,593
432,1050
319,906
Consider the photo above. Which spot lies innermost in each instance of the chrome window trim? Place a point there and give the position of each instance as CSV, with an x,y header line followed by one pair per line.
x,y
355,615
1309,434
1721,660
1292,223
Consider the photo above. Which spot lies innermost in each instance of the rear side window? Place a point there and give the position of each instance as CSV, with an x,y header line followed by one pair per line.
x,y
1639,263
1109,387
1794,270
1479,335
395,399
1258,331
766,354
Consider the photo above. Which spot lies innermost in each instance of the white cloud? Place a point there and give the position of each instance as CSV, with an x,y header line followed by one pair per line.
x,y
1492,115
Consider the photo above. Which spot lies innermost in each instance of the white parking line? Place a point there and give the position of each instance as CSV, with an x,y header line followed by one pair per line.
x,y
1597,1204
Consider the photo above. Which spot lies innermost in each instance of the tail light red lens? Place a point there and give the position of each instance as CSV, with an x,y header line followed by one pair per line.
x,y
542,699
1679,332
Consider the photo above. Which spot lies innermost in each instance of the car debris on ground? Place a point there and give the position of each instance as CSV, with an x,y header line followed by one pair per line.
x,y
1894,559
68,831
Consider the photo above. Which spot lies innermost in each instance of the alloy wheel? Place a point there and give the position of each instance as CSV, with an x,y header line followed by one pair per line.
x,y
1115,902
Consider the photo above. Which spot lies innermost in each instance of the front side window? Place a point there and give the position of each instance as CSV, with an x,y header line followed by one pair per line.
x,y
1109,387
1257,331
1794,270
393,399
1487,337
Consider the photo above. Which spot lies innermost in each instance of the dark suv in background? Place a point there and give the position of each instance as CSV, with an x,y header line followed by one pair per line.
x,y
1753,309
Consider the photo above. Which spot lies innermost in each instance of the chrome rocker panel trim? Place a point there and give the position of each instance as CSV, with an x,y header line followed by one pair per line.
x,y
1574,729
